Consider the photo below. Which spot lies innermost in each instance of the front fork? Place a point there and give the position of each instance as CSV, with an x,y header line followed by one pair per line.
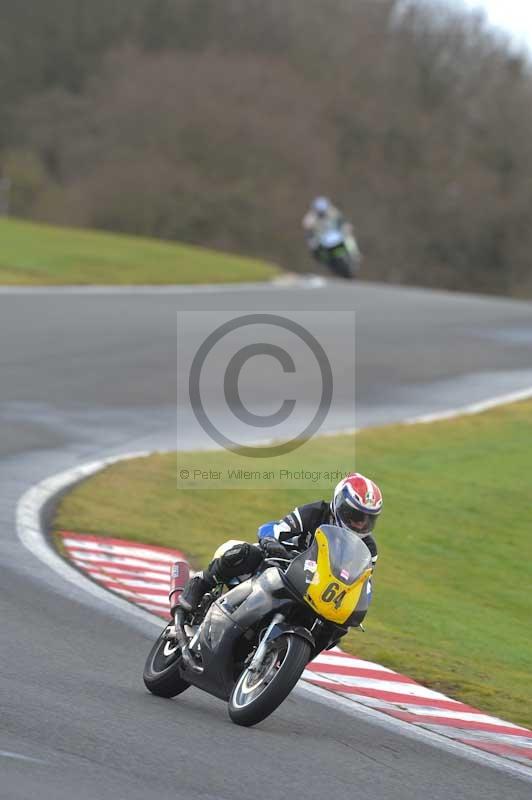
x,y
258,658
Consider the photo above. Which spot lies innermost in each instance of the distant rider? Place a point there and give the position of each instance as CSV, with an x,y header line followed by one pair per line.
x,y
355,507
323,216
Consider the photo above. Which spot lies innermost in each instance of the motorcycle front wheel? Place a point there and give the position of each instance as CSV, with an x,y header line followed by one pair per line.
x,y
341,266
162,676
256,695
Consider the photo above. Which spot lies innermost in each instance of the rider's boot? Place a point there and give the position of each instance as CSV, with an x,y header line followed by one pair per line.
x,y
194,590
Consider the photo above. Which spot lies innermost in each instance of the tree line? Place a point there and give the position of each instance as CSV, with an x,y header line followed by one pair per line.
x,y
216,122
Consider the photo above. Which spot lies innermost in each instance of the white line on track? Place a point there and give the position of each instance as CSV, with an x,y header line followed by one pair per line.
x,y
472,408
20,757
349,661
304,282
115,549
406,689
120,574
30,509
95,560
139,583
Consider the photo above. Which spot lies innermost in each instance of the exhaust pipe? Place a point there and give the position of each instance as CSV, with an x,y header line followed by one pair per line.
x,y
179,575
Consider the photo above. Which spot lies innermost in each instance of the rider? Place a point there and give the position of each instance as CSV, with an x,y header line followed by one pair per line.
x,y
323,216
355,506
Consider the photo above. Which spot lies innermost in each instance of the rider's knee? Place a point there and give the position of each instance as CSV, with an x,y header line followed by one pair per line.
x,y
241,559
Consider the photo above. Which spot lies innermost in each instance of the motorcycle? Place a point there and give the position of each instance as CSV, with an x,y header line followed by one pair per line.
x,y
338,251
249,645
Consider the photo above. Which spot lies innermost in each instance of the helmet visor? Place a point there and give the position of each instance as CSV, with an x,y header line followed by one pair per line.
x,y
357,521
321,206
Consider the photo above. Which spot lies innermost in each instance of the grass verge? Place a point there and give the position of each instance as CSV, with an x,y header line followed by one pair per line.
x,y
452,591
33,254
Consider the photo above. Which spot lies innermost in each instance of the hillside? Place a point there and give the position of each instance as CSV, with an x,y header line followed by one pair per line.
x,y
44,254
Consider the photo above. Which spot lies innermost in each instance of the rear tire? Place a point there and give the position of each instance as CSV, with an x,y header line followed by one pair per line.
x,y
162,675
253,700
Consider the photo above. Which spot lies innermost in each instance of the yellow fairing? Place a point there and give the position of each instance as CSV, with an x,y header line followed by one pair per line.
x,y
329,596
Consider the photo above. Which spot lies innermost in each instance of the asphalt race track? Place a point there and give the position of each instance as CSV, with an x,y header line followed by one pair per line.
x,y
85,375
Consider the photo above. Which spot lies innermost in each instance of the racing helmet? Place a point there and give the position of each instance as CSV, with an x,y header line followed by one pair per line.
x,y
321,205
356,504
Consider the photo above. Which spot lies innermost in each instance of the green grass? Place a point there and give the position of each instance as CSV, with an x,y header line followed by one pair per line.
x,y
452,594
33,254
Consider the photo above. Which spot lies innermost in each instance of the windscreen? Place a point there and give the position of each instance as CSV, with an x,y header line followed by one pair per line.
x,y
348,554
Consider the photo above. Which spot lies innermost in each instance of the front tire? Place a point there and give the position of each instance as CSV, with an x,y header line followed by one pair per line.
x,y
341,266
254,697
162,675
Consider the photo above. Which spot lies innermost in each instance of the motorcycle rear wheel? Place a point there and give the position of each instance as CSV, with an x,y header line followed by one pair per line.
x,y
161,675
255,696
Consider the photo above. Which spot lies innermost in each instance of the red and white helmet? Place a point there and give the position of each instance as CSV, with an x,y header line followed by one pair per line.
x,y
356,504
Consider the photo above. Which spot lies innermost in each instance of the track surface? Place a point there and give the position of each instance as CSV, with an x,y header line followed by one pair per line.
x,y
84,376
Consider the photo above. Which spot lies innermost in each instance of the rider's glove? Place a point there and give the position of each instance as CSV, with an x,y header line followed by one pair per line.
x,y
273,549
